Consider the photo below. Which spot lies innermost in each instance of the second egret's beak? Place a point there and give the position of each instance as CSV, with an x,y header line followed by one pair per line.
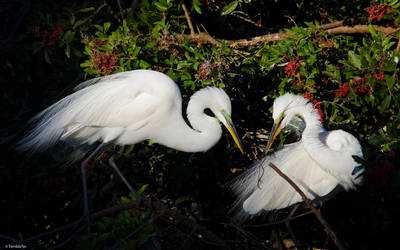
x,y
276,128
232,130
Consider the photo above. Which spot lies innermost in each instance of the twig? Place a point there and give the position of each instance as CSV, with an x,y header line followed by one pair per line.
x,y
398,44
360,29
246,19
133,6
331,28
114,14
95,13
188,19
120,9
310,205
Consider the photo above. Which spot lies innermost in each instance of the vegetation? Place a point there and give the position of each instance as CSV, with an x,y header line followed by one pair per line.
x,y
344,58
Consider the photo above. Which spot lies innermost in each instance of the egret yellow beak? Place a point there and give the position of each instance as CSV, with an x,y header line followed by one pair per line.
x,y
276,129
232,130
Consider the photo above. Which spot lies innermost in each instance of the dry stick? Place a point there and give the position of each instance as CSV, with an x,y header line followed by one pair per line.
x,y
120,9
133,7
398,44
188,19
331,28
310,205
360,29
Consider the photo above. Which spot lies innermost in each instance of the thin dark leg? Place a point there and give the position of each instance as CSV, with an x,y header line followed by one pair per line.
x,y
114,166
83,172
287,223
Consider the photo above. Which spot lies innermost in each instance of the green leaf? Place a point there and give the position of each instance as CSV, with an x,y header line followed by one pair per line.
x,y
144,65
46,56
161,6
355,59
78,23
68,36
100,28
196,5
141,190
372,30
229,8
106,26
72,19
385,103
68,51
86,9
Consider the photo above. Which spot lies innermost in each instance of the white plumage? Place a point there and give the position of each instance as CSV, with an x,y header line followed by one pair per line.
x,y
319,162
129,107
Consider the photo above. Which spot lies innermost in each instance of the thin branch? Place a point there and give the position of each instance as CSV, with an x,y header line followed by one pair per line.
x,y
361,29
133,7
310,205
120,9
188,19
331,28
398,44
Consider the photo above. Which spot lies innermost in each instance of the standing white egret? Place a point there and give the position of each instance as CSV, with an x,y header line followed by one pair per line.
x,y
130,107
319,162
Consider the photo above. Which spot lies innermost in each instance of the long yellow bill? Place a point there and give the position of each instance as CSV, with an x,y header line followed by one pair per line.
x,y
276,128
232,130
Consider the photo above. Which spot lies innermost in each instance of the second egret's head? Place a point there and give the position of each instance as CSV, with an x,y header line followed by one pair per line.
x,y
284,110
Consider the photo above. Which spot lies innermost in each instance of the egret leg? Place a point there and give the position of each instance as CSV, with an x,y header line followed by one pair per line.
x,y
111,161
83,173
287,223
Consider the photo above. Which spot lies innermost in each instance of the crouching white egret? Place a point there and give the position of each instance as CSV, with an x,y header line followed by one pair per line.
x,y
130,107
319,162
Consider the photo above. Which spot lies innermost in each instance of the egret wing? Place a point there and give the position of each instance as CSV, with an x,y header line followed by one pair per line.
x,y
104,105
261,188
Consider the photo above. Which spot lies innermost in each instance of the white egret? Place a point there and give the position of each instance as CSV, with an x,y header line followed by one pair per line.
x,y
317,163
130,107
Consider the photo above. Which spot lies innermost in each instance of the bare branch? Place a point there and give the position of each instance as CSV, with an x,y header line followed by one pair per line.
x,y
310,205
188,19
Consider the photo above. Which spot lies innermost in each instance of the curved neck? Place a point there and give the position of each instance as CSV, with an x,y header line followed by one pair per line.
x,y
311,135
204,133
314,140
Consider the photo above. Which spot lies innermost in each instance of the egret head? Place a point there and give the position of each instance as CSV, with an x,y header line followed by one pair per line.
x,y
222,109
284,110
219,103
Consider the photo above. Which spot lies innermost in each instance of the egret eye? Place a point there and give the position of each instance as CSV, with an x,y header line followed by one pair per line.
x,y
208,112
356,170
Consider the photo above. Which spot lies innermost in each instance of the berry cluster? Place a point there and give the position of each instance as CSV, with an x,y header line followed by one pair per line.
x,y
207,69
167,42
325,44
292,67
104,62
360,86
377,11
53,36
310,96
